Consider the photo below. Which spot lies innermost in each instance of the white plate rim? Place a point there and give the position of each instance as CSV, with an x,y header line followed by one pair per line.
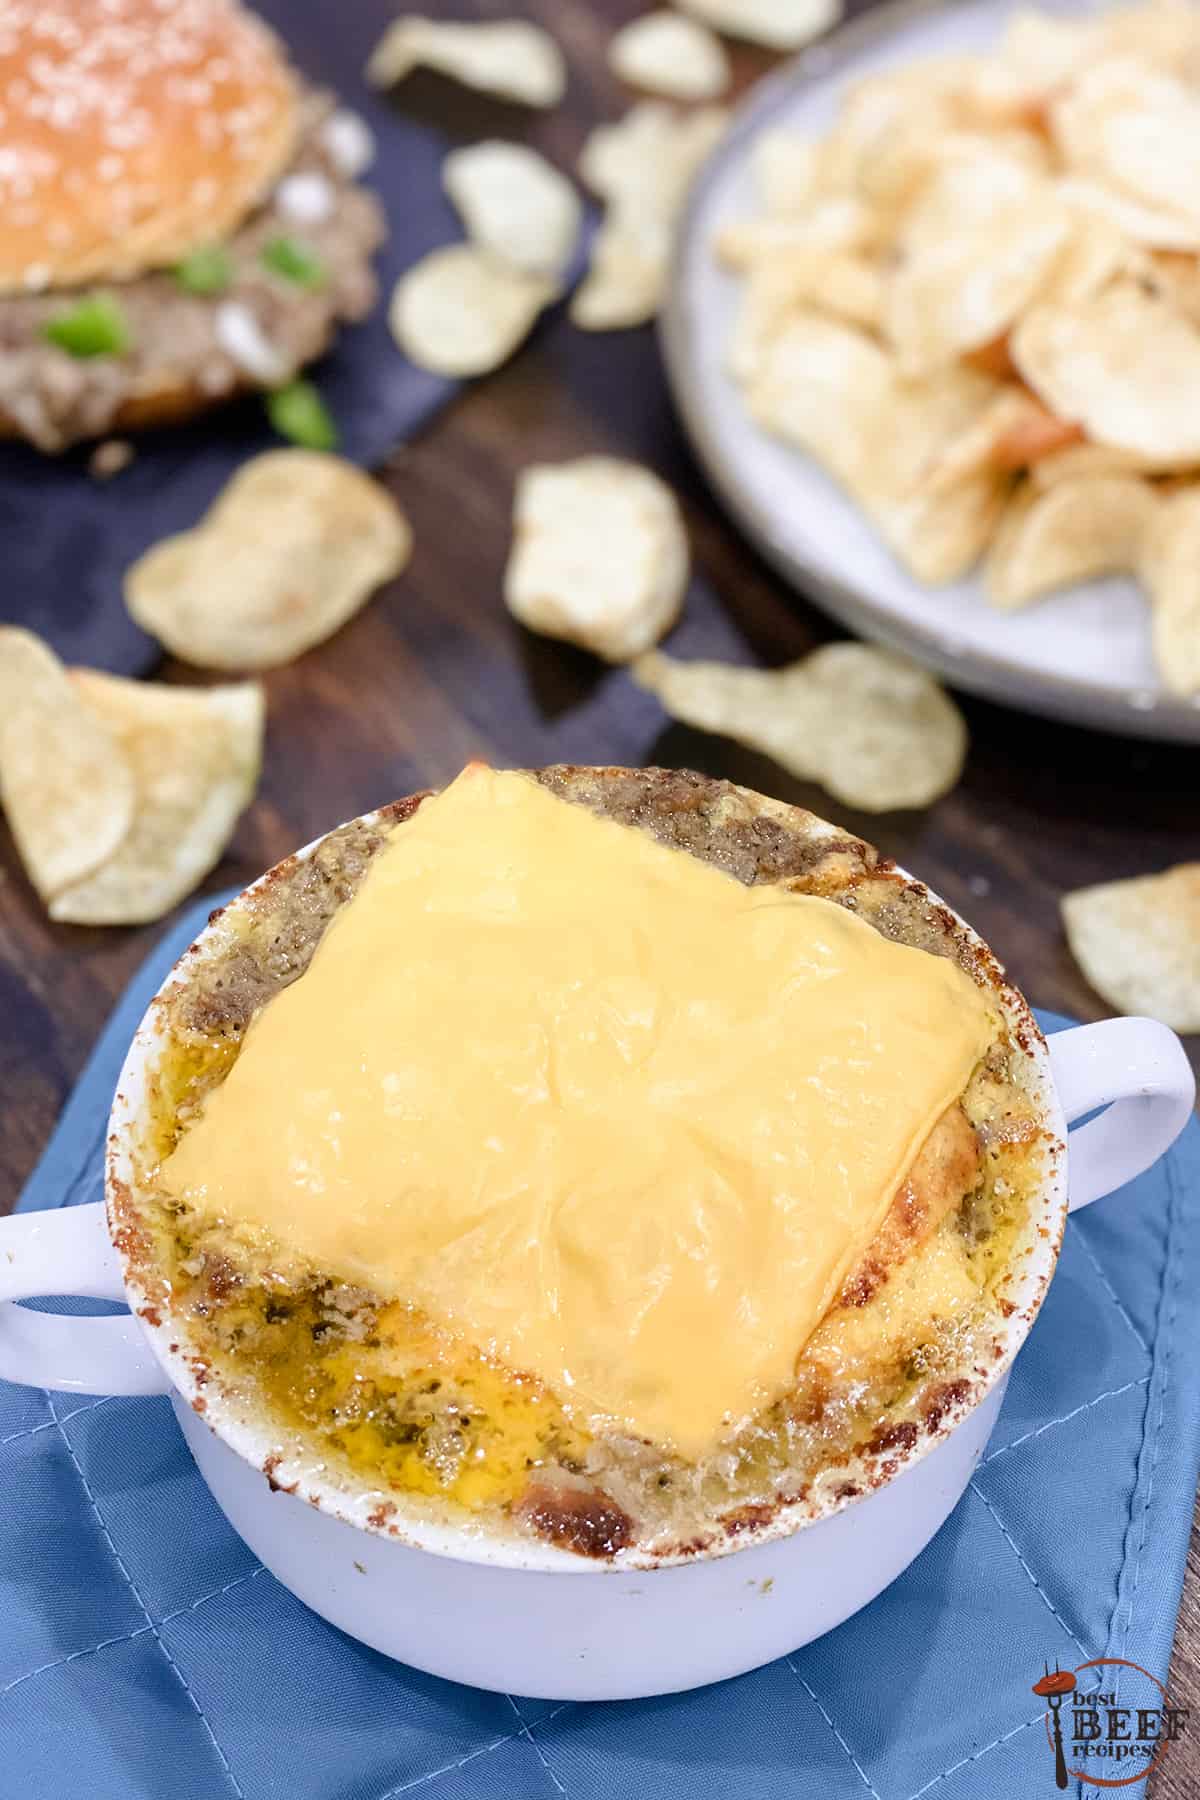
x,y
1124,710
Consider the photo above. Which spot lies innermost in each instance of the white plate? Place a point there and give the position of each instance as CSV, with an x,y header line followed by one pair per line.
x,y
1082,655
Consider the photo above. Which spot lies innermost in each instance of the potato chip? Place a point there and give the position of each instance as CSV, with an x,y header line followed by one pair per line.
x,y
777,24
785,169
626,279
292,547
1170,569
1082,458
647,161
1163,33
65,785
1136,130
972,183
826,388
939,536
600,555
643,166
889,122
1094,255
1138,943
1011,432
511,58
1037,53
1140,224
845,287
1176,275
1071,532
514,205
833,392
938,533
667,54
950,297
461,312
195,755
872,728
1123,364
841,224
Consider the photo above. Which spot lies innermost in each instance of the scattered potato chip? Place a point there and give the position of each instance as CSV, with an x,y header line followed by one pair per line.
x,y
65,785
648,160
1138,943
1071,532
876,731
1123,364
511,58
626,279
195,754
667,54
643,167
289,551
514,204
1170,569
599,557
461,312
777,24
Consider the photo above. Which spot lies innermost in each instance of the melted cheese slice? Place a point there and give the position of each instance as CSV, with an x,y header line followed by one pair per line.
x,y
615,1118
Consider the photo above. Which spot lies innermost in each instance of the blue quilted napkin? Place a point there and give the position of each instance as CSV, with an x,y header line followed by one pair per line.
x,y
145,1655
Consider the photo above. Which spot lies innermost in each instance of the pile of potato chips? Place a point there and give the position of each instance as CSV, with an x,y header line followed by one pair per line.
x,y
976,302
120,795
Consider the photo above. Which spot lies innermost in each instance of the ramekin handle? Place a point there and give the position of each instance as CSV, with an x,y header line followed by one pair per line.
x,y
61,1253
1138,1070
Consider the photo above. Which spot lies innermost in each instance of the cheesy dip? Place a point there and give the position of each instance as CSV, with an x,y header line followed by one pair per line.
x,y
610,1156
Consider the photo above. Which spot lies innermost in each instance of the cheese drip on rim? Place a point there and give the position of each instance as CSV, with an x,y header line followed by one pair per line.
x,y
616,1119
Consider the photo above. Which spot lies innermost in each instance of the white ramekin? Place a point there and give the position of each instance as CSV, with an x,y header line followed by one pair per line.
x,y
526,1618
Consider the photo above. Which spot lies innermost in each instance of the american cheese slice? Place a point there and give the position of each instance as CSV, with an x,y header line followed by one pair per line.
x,y
615,1118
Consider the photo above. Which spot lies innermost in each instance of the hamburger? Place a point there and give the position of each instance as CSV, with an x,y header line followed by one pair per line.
x,y
181,215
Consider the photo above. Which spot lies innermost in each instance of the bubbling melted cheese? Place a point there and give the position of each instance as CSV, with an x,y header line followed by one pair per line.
x,y
599,1109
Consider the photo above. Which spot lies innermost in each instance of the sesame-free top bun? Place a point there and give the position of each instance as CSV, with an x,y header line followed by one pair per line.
x,y
132,132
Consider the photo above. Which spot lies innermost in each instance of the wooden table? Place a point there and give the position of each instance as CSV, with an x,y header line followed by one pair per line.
x,y
434,672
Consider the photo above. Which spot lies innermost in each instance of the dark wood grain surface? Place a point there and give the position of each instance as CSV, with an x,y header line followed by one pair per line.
x,y
434,671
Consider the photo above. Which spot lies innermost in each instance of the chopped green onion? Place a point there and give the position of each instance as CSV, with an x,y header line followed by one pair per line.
x,y
206,271
298,412
92,327
294,261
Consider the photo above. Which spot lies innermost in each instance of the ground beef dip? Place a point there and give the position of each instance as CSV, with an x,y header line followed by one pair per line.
x,y
364,1384
299,265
